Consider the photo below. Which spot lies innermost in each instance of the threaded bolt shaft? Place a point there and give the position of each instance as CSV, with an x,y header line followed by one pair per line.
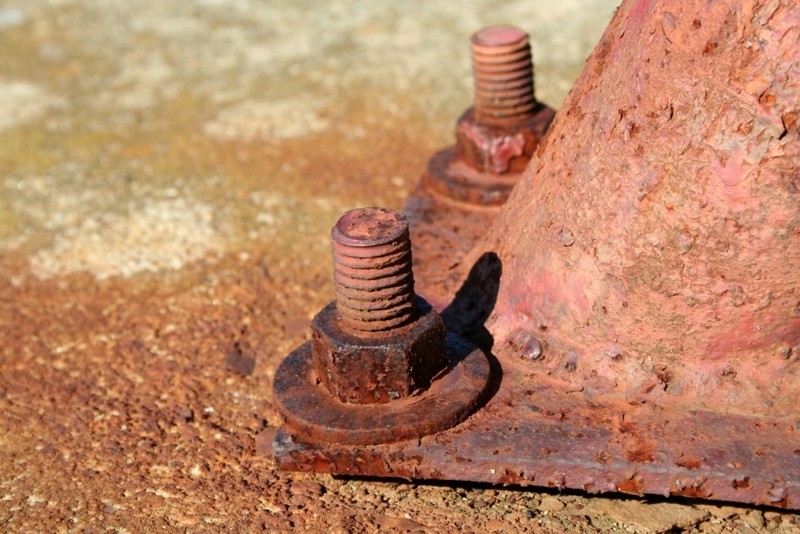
x,y
372,271
503,69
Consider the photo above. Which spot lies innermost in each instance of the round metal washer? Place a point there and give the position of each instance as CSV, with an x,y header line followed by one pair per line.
x,y
309,409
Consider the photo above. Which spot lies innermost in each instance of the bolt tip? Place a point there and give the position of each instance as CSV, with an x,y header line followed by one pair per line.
x,y
369,227
499,36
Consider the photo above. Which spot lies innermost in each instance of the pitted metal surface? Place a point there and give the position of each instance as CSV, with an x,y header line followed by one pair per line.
x,y
645,336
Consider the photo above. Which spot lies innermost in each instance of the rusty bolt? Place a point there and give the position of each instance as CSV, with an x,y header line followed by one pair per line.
x,y
378,341
496,138
502,66
375,345
372,271
497,135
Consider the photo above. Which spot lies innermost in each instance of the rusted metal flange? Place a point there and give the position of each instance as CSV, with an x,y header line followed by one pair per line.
x,y
533,435
310,410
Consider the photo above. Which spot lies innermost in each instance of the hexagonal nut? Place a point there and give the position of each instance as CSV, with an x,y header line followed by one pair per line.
x,y
504,147
378,370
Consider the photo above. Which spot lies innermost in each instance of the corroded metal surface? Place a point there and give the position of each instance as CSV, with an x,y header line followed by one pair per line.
x,y
655,244
379,367
369,370
528,436
639,290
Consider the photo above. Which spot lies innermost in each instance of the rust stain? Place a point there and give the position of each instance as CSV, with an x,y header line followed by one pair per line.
x,y
640,453
634,486
689,461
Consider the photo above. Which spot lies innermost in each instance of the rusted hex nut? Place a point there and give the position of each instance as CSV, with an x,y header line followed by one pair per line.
x,y
365,370
378,341
497,148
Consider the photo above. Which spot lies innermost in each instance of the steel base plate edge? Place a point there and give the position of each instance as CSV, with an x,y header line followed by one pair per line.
x,y
539,437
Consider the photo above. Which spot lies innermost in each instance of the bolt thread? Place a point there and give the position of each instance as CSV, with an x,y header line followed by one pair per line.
x,y
503,69
372,271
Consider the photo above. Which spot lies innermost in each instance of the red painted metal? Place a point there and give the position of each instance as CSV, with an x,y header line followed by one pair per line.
x,y
639,290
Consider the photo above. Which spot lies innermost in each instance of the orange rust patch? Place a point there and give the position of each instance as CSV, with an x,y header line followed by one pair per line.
x,y
689,461
642,452
634,486
695,491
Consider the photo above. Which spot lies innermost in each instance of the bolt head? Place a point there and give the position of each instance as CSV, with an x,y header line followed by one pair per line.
x,y
378,370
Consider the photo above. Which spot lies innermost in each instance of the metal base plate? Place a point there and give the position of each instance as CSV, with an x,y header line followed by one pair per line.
x,y
546,437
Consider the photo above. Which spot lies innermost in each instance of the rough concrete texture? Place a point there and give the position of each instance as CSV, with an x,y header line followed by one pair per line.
x,y
170,171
